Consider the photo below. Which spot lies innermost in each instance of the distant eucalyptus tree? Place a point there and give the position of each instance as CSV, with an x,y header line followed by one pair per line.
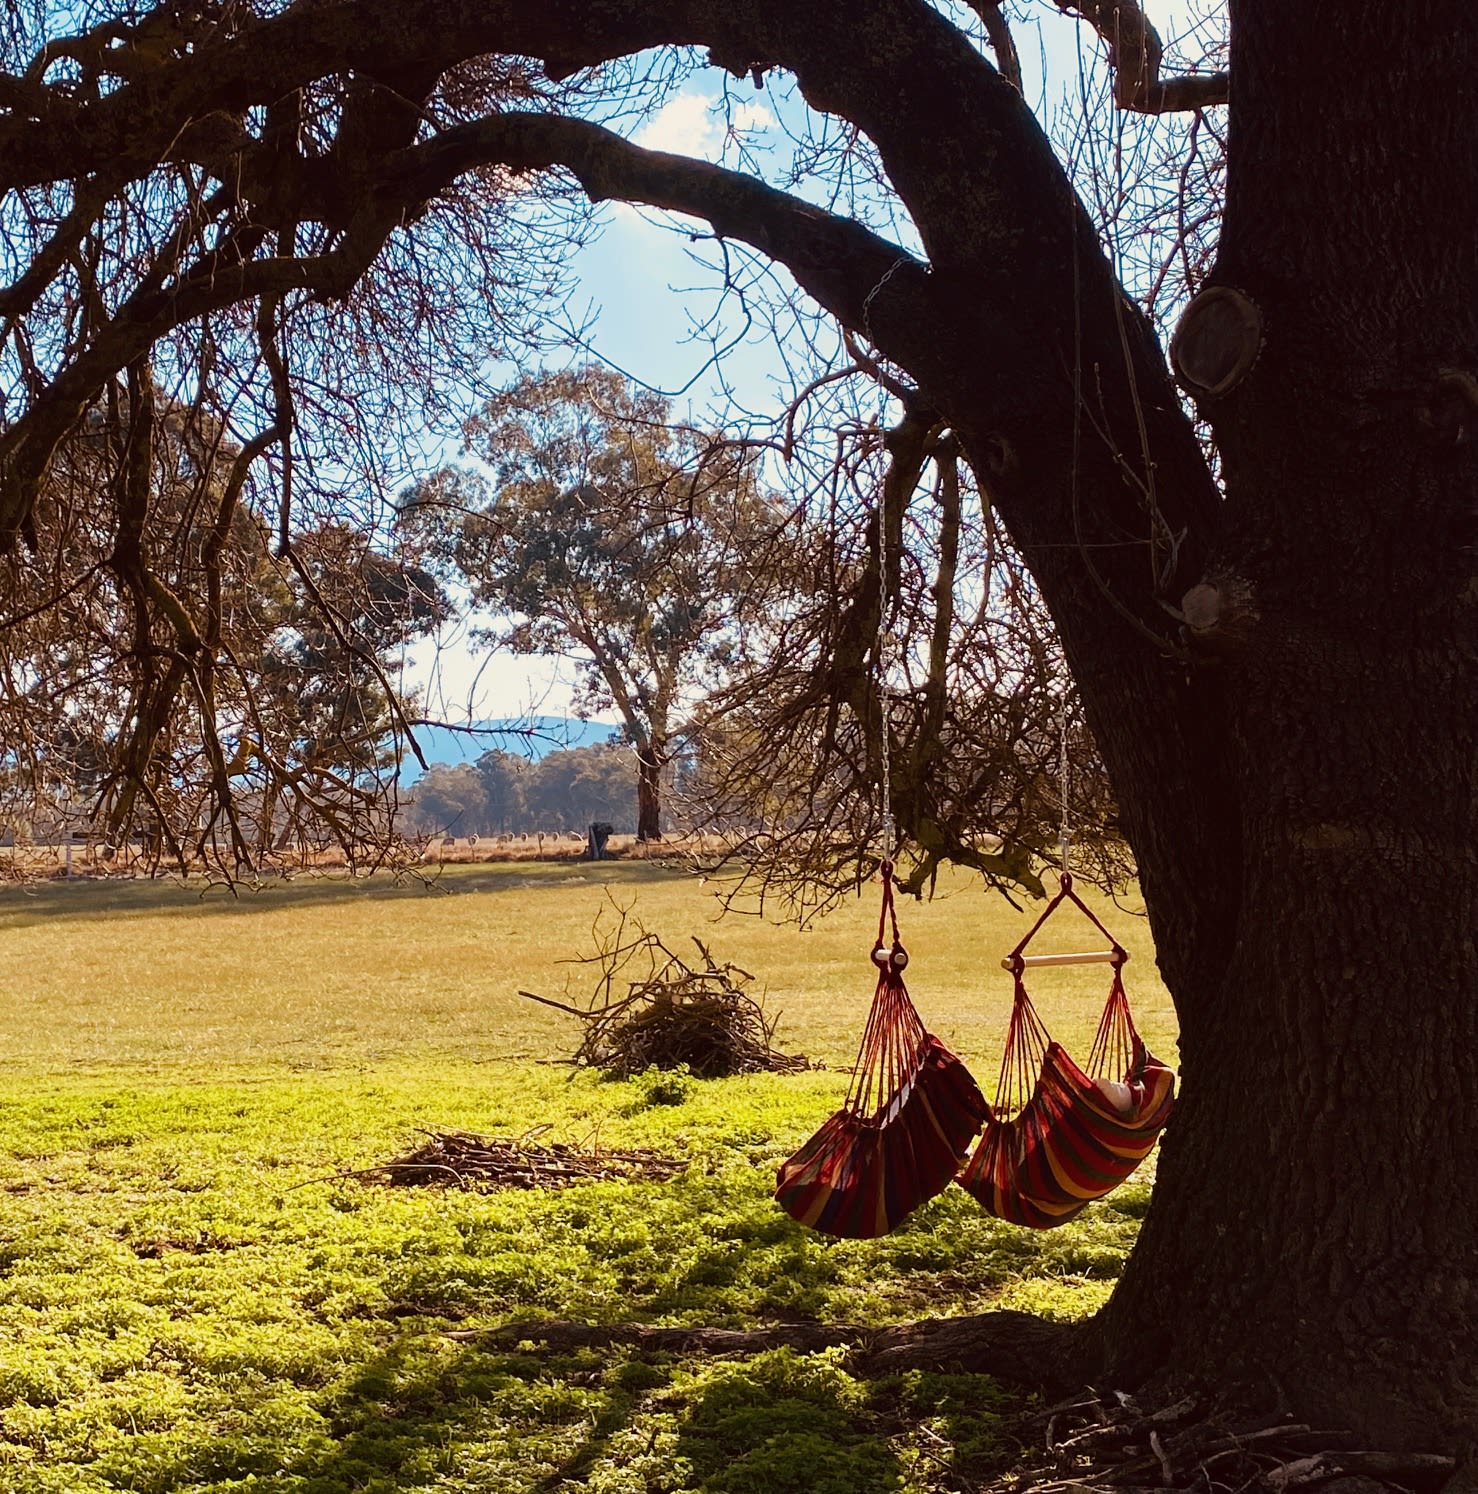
x,y
602,531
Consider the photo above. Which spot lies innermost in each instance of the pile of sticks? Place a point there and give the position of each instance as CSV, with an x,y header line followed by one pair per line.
x,y
672,1014
493,1163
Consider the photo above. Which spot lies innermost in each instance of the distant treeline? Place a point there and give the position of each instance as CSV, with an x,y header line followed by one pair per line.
x,y
502,793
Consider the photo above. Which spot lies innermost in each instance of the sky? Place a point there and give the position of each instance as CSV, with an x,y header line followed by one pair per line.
x,y
632,281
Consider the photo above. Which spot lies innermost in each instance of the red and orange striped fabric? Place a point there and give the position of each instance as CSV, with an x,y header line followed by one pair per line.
x,y
1080,1133
906,1126
860,1176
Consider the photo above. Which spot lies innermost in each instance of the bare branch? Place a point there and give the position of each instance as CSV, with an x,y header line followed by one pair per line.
x,y
1135,52
837,260
998,33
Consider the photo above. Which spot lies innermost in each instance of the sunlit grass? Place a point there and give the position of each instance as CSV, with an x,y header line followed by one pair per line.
x,y
157,976
192,1300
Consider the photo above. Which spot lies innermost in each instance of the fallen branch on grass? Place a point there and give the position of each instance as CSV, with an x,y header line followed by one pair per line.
x,y
500,1162
494,1163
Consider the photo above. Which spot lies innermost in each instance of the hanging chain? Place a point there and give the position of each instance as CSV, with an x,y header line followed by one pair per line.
x,y
1064,831
872,295
881,671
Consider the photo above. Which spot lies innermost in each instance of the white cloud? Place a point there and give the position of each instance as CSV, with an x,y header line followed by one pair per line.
x,y
754,116
684,126
692,124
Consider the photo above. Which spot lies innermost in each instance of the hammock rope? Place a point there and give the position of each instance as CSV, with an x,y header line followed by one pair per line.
x,y
1060,1136
906,1125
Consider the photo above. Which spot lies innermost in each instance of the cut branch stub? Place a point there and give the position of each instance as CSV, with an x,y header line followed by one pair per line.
x,y
1220,614
1216,342
1452,412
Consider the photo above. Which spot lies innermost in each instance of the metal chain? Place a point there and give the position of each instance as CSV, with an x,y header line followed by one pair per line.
x,y
1064,833
872,295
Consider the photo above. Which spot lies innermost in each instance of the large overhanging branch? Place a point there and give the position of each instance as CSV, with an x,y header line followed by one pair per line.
x,y
870,284
836,260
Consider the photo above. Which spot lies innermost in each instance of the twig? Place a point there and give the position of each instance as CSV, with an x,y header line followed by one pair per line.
x,y
560,1006
1167,1474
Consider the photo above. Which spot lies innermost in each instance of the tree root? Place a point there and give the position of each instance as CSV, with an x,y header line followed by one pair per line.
x,y
1188,1443
1015,1347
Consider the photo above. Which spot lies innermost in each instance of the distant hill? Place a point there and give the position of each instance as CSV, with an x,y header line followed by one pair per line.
x,y
530,737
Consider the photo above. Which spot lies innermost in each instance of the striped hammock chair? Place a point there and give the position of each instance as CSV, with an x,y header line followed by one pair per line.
x,y
907,1123
1060,1136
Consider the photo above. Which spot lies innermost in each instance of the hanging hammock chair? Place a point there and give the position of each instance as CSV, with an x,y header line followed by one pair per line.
x,y
905,1129
1060,1136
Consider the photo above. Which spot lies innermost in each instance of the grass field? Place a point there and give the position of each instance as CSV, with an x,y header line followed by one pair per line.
x,y
191,1301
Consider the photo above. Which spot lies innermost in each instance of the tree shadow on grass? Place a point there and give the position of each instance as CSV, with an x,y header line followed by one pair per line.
x,y
533,1422
786,1420
530,1416
517,1422
422,1412
88,899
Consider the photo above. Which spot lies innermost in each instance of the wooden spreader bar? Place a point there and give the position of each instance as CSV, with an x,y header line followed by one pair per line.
x,y
1018,960
1088,957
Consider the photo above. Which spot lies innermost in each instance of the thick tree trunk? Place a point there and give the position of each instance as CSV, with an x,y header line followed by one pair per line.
x,y
1314,1230
648,792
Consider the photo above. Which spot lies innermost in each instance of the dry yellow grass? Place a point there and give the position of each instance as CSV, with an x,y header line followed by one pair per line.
x,y
555,846
324,971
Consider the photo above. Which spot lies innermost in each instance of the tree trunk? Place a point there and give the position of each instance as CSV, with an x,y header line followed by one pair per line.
x,y
648,792
1314,1230
1300,793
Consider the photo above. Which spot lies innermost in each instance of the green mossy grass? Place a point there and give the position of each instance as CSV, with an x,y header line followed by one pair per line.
x,y
192,1300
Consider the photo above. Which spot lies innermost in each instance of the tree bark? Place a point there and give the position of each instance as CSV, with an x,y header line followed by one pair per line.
x,y
1314,1229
